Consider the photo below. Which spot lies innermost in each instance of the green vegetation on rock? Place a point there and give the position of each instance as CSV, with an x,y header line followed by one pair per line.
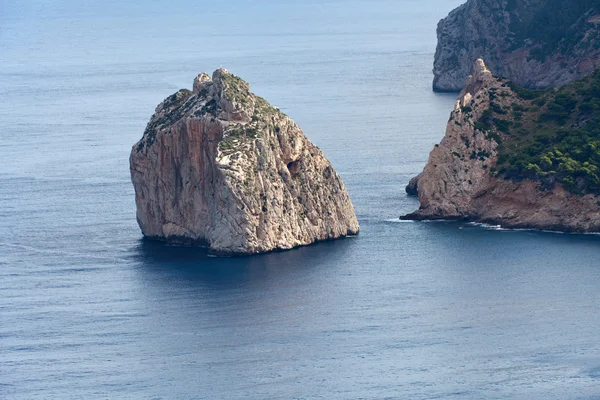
x,y
236,88
236,136
550,136
173,110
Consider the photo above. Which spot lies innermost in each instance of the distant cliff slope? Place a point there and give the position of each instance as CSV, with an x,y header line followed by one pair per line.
x,y
535,43
517,157
220,166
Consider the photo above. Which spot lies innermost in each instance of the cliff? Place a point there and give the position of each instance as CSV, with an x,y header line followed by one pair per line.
x,y
219,166
517,157
534,43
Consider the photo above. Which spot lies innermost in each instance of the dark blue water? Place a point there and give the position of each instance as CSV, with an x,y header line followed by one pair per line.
x,y
404,311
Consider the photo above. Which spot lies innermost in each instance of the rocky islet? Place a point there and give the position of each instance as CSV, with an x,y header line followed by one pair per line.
x,y
219,166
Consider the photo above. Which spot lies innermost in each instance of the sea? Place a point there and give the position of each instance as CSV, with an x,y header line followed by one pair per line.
x,y
405,310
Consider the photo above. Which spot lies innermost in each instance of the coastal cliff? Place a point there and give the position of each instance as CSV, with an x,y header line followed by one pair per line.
x,y
517,157
534,43
219,166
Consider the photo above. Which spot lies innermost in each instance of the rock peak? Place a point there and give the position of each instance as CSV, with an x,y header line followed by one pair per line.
x,y
480,77
480,66
480,73
220,73
200,81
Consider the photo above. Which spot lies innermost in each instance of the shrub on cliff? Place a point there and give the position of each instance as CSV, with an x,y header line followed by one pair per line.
x,y
559,141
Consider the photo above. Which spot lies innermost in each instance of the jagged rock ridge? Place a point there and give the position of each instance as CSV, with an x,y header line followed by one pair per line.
x,y
463,177
535,43
219,166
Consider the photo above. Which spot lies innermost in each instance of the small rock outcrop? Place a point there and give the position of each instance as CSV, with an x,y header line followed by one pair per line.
x,y
535,43
492,166
413,186
219,166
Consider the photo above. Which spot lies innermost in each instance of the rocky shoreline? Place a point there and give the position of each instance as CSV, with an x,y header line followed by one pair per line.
x,y
459,183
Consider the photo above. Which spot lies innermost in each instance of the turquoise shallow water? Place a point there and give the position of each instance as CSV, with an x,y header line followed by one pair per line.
x,y
403,311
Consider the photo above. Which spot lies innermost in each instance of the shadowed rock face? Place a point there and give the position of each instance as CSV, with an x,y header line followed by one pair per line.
x,y
535,43
457,184
219,166
413,186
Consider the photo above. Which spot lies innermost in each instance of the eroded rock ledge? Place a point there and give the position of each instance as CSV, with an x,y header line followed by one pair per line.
x,y
220,166
462,179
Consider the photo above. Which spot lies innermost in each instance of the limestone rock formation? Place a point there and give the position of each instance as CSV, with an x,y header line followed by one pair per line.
x,y
460,181
535,43
219,166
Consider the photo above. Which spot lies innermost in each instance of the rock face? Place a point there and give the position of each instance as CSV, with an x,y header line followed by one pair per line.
x,y
535,43
219,166
457,184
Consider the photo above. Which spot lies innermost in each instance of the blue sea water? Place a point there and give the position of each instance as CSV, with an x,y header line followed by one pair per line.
x,y
88,309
